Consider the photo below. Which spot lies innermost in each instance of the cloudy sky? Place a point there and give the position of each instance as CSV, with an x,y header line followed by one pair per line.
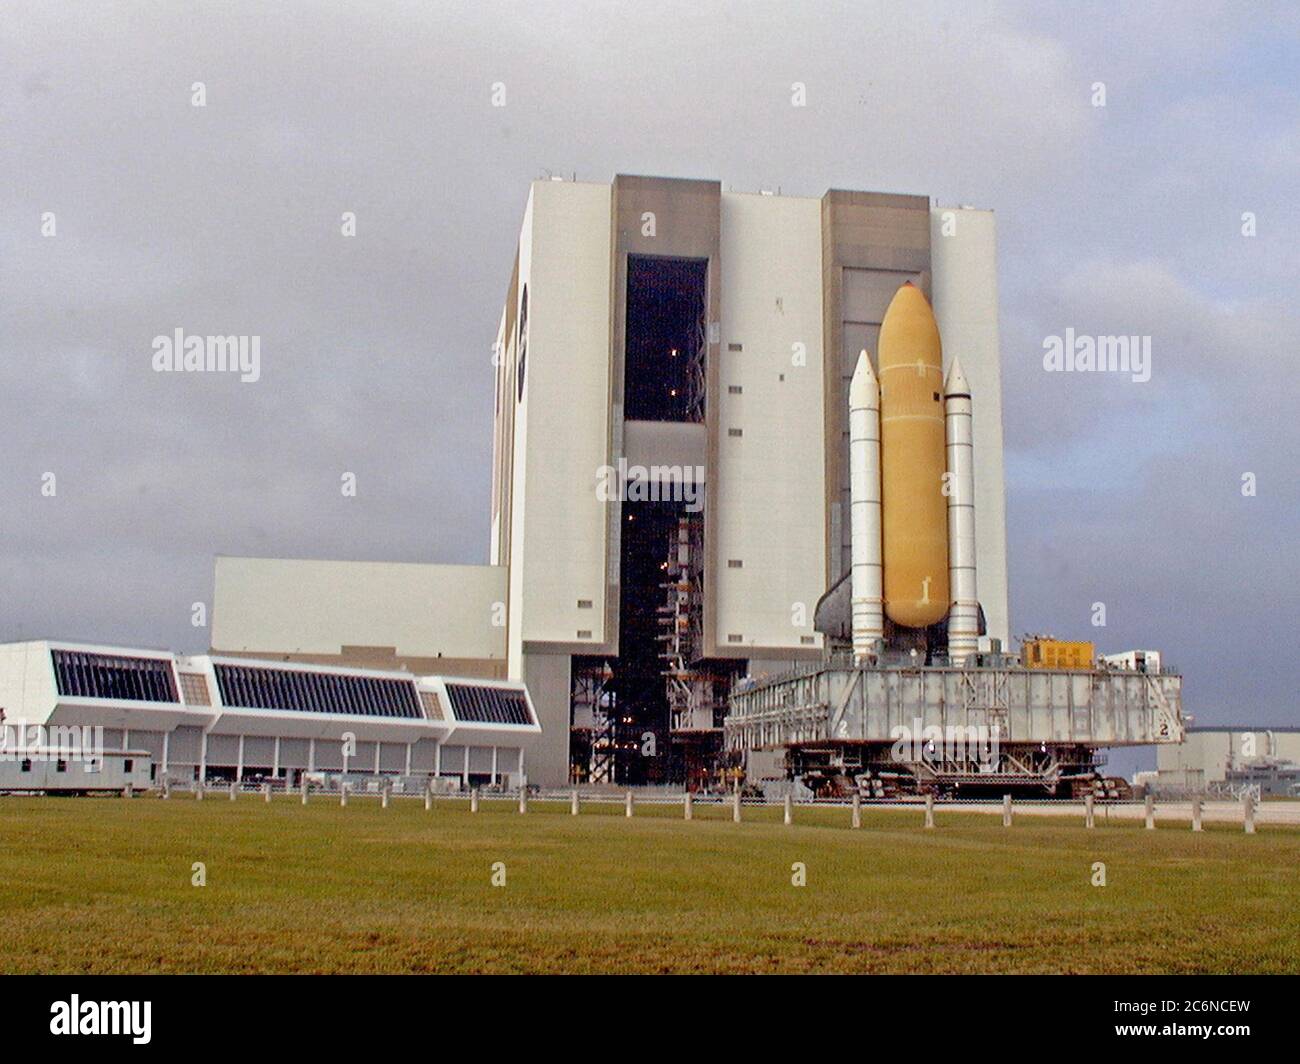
x,y
224,219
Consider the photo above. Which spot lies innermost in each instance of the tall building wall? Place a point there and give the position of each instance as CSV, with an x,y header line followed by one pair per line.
x,y
562,419
964,277
553,435
771,565
515,438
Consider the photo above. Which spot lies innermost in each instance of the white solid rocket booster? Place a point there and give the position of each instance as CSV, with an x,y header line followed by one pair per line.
x,y
866,582
964,616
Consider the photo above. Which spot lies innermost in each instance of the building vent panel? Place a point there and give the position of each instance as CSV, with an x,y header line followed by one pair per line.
x,y
194,689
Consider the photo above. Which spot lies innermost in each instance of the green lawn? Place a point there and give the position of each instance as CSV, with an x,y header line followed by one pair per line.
x,y
104,885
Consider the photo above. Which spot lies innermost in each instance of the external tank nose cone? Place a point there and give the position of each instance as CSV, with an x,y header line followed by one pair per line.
x,y
908,322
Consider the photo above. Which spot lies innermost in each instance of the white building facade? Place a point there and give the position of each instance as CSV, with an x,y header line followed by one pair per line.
x,y
205,716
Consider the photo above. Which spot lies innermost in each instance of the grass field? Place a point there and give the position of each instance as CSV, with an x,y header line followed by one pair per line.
x,y
104,886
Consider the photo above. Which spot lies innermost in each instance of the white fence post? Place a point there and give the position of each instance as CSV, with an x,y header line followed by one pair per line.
x,y
627,804
1088,817
266,792
929,810
523,799
343,793
857,811
573,802
1248,812
473,800
735,805
1006,810
233,792
1150,811
687,808
1196,814
789,809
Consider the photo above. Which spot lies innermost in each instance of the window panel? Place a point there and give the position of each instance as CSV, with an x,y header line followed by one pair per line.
x,y
113,676
291,689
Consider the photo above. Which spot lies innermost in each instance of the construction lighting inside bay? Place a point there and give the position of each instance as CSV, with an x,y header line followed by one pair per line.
x,y
747,531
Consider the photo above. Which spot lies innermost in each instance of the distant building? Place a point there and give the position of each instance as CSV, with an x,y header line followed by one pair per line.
x,y
1214,756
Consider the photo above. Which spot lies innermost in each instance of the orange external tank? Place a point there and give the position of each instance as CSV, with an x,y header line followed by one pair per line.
x,y
914,509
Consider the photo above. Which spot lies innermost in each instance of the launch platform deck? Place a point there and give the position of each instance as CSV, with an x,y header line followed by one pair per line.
x,y
840,702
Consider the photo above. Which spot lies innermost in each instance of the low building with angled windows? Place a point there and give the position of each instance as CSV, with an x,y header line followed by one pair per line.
x,y
212,717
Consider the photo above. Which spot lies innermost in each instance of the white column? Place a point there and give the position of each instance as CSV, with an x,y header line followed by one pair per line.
x,y
867,574
311,755
203,757
964,614
407,770
464,772
166,737
494,764
239,761
275,758
437,758
378,746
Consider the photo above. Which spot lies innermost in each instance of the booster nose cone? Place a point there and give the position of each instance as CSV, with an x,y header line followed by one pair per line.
x,y
914,509
864,391
956,384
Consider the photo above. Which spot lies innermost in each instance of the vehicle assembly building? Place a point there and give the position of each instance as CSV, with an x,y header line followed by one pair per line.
x,y
747,511
670,490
